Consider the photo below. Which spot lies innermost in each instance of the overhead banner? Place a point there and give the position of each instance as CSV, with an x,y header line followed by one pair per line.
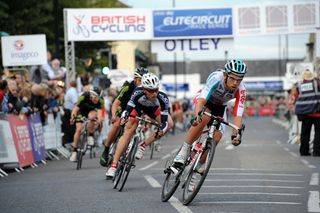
x,y
24,50
276,18
109,24
192,23
191,45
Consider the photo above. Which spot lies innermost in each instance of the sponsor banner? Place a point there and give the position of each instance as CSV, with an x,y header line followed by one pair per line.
x,y
24,50
109,24
180,87
192,45
276,18
192,23
8,152
264,85
21,137
36,136
50,139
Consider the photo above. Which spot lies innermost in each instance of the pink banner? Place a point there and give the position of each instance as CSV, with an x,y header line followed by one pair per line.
x,y
21,137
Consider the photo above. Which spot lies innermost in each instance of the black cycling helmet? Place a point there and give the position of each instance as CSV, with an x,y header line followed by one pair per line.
x,y
140,71
95,91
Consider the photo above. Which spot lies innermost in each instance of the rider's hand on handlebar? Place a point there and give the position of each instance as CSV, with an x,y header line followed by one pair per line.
x,y
236,141
195,120
124,117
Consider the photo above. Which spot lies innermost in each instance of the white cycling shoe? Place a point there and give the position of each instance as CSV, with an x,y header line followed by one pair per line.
x,y
181,157
73,157
111,172
140,152
90,140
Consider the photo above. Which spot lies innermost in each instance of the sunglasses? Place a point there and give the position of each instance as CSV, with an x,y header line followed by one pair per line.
x,y
152,90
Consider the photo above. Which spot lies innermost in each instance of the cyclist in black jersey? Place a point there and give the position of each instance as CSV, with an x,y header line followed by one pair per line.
x,y
89,105
118,105
147,100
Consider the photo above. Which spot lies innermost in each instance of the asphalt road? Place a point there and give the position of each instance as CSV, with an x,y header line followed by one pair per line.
x,y
264,174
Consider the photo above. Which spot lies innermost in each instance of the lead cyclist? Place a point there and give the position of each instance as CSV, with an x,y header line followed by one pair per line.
x,y
221,86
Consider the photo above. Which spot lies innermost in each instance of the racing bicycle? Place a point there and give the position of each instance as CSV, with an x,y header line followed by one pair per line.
x,y
193,173
127,160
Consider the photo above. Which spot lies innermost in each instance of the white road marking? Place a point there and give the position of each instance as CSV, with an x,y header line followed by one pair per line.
x,y
305,162
248,193
313,201
254,202
173,201
294,154
257,180
229,147
178,205
237,186
166,156
150,165
314,181
258,174
153,182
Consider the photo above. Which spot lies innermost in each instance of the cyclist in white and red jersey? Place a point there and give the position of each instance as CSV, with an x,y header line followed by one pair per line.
x,y
221,86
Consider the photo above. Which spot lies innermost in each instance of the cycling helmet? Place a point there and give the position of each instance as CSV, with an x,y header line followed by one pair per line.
x,y
236,67
140,71
95,91
150,81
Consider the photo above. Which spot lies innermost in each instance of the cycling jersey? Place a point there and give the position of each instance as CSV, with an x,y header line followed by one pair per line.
x,y
86,105
140,103
125,94
214,92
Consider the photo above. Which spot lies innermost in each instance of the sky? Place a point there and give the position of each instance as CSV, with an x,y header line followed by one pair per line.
x,y
262,47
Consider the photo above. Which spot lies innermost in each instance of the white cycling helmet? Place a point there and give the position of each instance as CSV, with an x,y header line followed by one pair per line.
x,y
150,81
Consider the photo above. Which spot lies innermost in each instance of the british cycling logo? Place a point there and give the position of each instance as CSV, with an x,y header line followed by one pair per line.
x,y
18,45
80,28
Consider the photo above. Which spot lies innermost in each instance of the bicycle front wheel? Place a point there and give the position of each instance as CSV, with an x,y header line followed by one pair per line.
x,y
171,181
81,151
196,178
129,163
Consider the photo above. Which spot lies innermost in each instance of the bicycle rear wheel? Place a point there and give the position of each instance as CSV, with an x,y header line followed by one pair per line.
x,y
196,179
128,164
171,181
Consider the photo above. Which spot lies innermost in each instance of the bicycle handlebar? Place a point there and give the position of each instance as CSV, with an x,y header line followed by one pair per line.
x,y
146,121
221,120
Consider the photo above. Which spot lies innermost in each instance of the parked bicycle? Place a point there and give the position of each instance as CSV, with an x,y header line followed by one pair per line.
x,y
127,161
84,144
193,173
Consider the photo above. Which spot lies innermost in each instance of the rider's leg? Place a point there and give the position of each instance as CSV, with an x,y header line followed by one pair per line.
x,y
76,139
108,141
124,140
153,137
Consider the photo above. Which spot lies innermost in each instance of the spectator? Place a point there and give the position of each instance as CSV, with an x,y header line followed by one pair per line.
x,y
307,110
70,100
3,90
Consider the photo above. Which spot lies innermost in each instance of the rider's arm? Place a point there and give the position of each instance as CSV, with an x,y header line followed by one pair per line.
x,y
201,102
75,111
115,105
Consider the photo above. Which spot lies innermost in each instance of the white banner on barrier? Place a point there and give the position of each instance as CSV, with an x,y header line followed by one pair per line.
x,y
50,139
8,152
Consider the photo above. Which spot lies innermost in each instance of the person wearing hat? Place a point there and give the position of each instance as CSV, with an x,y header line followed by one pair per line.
x,y
307,108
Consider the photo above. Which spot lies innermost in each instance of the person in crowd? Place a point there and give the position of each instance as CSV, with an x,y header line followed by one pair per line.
x,y
70,100
89,106
221,86
118,106
150,101
3,90
39,100
14,103
307,108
